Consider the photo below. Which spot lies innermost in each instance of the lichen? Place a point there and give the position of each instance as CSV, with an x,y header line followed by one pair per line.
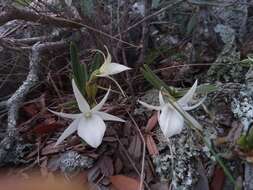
x,y
234,15
242,105
226,67
178,163
15,154
72,161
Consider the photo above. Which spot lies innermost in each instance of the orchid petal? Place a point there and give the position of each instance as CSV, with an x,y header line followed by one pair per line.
x,y
109,57
170,121
99,51
101,104
151,107
66,115
92,130
82,103
108,117
185,115
107,60
161,100
189,95
112,68
69,131
188,108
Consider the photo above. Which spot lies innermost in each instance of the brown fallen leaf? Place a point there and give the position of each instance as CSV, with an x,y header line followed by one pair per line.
x,y
151,145
46,127
218,179
152,122
121,182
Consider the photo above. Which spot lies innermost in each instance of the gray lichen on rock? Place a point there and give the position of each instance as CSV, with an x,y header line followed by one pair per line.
x,y
15,154
72,161
242,105
179,163
234,14
226,66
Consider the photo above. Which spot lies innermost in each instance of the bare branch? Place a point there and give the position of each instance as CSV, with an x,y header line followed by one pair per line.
x,y
10,13
8,144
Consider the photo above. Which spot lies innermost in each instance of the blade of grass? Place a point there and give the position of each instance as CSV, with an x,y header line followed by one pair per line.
x,y
154,80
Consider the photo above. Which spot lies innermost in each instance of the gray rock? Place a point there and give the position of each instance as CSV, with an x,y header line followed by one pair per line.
x,y
70,161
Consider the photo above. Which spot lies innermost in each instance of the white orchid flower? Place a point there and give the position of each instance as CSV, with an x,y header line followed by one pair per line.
x,y
89,124
109,68
170,120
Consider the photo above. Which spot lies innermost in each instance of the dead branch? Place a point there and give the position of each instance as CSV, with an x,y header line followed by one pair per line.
x,y
150,16
8,144
10,13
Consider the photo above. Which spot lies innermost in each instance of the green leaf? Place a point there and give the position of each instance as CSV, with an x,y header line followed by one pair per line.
x,y
246,141
97,62
80,74
154,80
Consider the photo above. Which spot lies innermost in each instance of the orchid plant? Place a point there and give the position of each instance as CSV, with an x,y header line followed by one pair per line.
x,y
89,124
170,114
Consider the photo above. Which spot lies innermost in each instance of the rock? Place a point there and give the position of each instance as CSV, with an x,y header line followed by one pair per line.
x,y
180,165
70,161
226,68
